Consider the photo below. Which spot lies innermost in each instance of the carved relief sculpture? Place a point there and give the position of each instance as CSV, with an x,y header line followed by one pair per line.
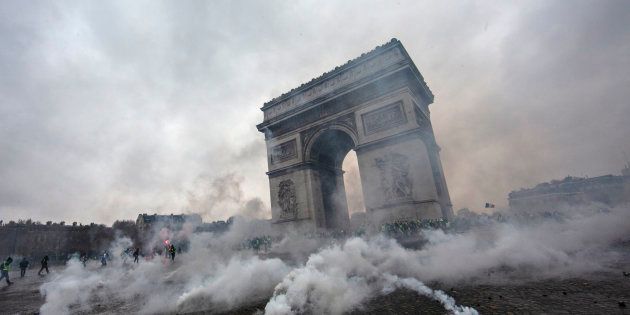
x,y
395,180
283,152
383,118
287,200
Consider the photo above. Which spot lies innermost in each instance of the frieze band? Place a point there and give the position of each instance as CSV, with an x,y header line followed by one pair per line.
x,y
363,70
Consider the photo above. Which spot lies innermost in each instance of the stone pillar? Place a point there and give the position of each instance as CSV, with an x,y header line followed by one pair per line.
x,y
398,161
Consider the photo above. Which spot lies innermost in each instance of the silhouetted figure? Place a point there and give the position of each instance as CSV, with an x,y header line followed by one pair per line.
x,y
84,259
104,260
23,265
4,268
171,250
136,253
44,266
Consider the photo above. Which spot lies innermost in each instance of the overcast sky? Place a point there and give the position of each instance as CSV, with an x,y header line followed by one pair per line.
x,y
109,109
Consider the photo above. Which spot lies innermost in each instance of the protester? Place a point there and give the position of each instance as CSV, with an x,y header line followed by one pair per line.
x,y
23,265
84,259
104,260
4,268
136,253
44,266
171,250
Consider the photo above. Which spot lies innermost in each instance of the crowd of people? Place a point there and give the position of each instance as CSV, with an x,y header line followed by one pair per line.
x,y
5,267
170,252
395,229
406,228
261,243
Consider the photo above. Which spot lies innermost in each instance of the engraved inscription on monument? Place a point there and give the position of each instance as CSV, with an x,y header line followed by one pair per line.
x,y
384,118
395,181
283,152
287,200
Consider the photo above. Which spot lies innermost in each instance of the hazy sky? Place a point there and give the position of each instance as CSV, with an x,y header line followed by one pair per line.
x,y
109,109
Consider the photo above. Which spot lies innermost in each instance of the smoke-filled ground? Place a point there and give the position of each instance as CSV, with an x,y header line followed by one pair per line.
x,y
591,293
570,260
23,296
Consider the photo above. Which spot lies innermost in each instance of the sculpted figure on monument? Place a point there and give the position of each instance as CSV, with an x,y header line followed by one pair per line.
x,y
395,180
287,200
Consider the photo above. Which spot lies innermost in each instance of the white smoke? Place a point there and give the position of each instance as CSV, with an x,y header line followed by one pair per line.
x,y
306,274
393,282
341,277
578,242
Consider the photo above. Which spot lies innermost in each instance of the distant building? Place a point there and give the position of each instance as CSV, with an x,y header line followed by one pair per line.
x,y
147,222
611,190
57,240
215,227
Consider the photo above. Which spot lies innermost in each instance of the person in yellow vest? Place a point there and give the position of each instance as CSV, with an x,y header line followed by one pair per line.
x,y
4,269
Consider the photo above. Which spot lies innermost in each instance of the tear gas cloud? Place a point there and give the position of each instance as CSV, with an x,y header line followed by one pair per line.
x,y
324,275
216,197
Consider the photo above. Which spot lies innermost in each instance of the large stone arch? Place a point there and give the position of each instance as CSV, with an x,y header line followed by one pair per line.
x,y
376,105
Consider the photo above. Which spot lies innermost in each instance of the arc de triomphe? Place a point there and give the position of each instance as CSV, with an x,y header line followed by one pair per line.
x,y
377,105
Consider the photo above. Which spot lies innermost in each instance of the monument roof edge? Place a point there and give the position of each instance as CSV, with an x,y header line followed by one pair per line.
x,y
350,63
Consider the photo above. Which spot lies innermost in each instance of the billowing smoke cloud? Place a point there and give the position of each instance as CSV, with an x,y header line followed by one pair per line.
x,y
213,275
334,276
108,108
338,279
215,198
415,285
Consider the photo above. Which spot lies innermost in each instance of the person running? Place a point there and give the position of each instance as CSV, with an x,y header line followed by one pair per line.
x,y
23,265
136,253
4,269
44,266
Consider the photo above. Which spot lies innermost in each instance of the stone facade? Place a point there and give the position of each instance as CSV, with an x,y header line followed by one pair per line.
x,y
376,105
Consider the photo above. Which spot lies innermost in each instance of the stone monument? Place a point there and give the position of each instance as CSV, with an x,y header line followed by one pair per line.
x,y
377,105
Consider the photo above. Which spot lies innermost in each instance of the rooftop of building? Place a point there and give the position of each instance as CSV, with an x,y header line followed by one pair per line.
x,y
569,184
150,218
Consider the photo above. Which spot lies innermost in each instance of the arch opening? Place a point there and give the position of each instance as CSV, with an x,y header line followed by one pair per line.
x,y
353,185
327,155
